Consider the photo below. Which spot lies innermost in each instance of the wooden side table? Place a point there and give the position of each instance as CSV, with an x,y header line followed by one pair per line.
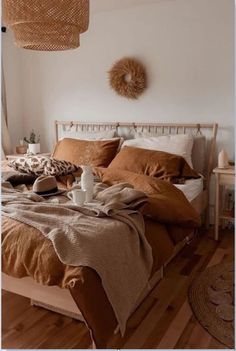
x,y
15,156
224,177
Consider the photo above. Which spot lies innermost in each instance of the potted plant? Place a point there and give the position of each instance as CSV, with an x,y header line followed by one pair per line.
x,y
33,143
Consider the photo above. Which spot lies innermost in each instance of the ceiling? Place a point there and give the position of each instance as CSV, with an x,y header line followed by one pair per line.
x,y
109,5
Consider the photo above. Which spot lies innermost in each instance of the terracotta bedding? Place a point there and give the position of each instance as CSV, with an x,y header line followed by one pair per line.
x,y
27,253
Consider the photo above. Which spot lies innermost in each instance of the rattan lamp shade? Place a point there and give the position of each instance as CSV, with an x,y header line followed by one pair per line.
x,y
47,25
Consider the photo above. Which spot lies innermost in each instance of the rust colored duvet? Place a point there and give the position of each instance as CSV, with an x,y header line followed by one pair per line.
x,y
26,252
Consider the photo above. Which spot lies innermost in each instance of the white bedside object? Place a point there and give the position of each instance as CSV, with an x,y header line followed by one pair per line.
x,y
224,177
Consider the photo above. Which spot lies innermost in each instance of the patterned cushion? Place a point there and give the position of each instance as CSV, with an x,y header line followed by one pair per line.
x,y
39,165
55,167
30,164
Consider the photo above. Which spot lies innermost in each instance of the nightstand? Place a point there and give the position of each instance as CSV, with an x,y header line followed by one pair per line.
x,y
14,156
224,177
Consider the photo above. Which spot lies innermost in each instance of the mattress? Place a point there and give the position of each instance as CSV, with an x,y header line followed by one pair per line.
x,y
192,188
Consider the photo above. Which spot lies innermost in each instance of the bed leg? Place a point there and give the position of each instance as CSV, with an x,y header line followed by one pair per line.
x,y
116,331
93,346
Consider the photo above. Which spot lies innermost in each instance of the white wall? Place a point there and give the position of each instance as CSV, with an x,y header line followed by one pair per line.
x,y
186,46
12,67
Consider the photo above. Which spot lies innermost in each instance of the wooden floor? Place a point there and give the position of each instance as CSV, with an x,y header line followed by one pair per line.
x,y
164,320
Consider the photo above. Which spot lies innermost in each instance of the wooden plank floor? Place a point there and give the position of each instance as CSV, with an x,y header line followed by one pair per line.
x,y
164,320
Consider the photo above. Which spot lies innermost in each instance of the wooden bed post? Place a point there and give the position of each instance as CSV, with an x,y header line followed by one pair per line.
x,y
209,172
211,155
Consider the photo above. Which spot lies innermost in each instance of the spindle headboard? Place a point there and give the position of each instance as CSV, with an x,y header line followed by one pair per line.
x,y
209,130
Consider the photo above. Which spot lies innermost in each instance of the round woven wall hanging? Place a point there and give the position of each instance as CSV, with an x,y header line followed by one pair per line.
x,y
128,78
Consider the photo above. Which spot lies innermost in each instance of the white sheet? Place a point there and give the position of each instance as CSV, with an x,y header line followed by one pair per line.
x,y
192,188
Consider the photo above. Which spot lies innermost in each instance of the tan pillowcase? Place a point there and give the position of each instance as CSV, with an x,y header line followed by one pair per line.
x,y
177,144
166,203
157,164
97,153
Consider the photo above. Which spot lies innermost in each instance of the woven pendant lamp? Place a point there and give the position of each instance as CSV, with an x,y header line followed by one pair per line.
x,y
47,25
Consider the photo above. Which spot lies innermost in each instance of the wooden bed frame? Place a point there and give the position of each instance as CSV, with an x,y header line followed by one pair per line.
x,y
53,298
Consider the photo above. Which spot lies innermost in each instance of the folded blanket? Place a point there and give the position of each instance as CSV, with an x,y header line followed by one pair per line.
x,y
107,236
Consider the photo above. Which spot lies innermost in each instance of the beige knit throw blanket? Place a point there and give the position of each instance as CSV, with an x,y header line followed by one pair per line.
x,y
107,236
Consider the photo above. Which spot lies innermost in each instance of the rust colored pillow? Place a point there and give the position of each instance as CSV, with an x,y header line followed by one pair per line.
x,y
159,164
98,153
166,203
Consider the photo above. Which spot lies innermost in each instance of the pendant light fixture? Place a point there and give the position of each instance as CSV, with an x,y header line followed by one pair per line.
x,y
46,25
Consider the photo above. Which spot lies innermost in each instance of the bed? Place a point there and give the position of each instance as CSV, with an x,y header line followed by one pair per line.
x,y
197,191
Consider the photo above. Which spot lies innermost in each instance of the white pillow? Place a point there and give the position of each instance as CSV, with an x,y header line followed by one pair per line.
x,y
105,134
178,144
146,134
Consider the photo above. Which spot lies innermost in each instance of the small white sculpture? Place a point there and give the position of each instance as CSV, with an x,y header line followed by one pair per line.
x,y
223,160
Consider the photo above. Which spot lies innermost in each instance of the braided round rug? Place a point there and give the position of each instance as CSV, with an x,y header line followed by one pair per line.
x,y
211,297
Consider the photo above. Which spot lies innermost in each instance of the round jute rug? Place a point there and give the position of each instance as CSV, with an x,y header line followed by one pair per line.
x,y
211,297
